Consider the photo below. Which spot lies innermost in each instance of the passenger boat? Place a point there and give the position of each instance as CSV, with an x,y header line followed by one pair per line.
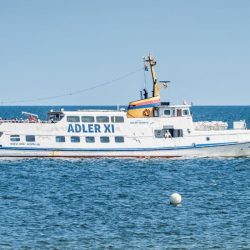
x,y
147,128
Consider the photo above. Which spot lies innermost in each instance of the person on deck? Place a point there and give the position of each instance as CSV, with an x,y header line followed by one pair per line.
x,y
167,134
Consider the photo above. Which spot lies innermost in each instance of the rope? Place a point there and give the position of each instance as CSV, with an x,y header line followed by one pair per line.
x,y
76,92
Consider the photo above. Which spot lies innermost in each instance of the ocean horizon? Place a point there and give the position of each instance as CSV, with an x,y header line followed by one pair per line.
x,y
124,203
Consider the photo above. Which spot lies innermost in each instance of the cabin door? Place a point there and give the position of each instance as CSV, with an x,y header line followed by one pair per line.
x,y
179,113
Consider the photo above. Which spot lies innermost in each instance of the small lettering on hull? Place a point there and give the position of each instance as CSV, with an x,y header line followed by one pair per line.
x,y
91,128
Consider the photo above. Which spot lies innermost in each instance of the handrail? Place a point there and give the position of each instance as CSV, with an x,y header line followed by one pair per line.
x,y
22,121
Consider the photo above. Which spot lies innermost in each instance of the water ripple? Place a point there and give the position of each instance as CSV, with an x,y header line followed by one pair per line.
x,y
123,204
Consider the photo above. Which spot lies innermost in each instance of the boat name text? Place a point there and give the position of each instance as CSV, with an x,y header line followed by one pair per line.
x,y
91,128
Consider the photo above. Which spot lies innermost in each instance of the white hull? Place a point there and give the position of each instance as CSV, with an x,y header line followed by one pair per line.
x,y
236,150
139,138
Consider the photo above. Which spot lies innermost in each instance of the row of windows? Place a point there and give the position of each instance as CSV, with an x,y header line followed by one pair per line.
x,y
90,139
74,139
28,138
180,112
91,119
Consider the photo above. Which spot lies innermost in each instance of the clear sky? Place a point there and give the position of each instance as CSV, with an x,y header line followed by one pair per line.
x,y
54,47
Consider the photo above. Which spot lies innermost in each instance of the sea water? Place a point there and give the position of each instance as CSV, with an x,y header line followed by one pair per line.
x,y
124,203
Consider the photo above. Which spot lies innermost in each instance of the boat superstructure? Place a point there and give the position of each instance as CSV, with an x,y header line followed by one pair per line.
x,y
148,128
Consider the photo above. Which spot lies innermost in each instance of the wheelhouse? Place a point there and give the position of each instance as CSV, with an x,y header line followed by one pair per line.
x,y
55,116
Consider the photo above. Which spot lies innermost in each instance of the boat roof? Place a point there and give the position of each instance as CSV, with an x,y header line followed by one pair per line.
x,y
122,112
176,106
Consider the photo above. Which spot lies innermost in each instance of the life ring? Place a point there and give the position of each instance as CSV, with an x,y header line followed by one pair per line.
x,y
146,112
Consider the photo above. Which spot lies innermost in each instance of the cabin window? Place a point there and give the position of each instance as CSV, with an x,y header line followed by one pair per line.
x,y
15,138
104,139
30,138
176,132
117,119
159,133
88,119
102,119
167,112
185,112
73,119
60,138
89,139
55,116
119,139
75,139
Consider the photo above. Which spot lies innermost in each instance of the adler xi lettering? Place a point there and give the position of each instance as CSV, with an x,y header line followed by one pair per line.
x,y
91,128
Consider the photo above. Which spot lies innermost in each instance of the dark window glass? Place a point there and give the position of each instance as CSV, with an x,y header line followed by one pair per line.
x,y
159,133
102,119
180,133
14,138
88,119
167,112
177,133
119,139
73,119
30,138
185,112
104,139
75,139
60,138
117,119
90,139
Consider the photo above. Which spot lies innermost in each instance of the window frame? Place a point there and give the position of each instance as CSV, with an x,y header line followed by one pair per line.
x,y
169,110
75,141
102,121
91,141
73,116
115,119
15,138
60,137
31,136
87,116
103,139
117,141
187,112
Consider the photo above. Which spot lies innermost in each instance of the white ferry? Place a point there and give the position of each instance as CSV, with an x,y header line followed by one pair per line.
x,y
148,128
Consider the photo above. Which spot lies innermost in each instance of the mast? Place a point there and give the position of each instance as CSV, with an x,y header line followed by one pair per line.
x,y
152,63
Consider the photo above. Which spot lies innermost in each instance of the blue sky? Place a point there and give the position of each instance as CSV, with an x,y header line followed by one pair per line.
x,y
54,47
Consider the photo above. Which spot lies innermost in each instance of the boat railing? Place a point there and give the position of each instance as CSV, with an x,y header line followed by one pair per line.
x,y
22,121
210,125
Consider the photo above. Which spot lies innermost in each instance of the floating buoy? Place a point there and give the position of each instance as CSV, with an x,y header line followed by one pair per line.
x,y
175,199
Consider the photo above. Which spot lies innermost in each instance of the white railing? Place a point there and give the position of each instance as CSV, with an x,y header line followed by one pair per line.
x,y
22,121
213,125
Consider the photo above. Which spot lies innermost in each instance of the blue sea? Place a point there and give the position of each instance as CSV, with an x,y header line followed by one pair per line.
x,y
124,203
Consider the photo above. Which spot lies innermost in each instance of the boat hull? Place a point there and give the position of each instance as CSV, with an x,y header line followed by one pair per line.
x,y
224,150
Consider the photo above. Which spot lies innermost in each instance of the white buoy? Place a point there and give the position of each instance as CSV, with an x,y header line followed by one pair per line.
x,y
175,199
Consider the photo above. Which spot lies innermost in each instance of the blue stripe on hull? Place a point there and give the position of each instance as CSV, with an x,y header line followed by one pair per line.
x,y
125,149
